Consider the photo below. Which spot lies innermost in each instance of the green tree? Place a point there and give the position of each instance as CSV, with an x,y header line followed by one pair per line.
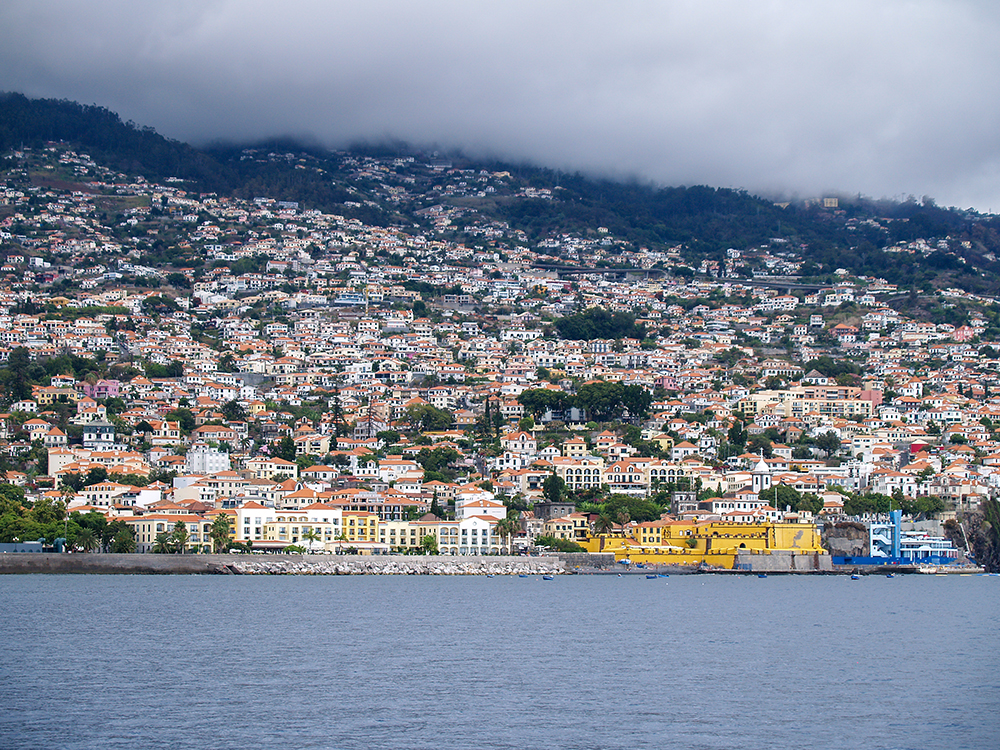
x,y
388,437
436,462
828,442
123,542
219,532
312,536
285,449
760,444
507,529
560,545
436,509
87,540
163,543
184,418
95,476
780,496
636,401
180,536
633,508
737,435
598,323
553,488
233,411
429,545
428,418
602,401
604,525
11,499
71,481
538,401
110,531
14,377
178,280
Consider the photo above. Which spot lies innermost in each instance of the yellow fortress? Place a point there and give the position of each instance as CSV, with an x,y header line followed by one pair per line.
x,y
713,543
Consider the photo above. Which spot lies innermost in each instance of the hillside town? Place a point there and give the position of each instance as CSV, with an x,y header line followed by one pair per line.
x,y
204,373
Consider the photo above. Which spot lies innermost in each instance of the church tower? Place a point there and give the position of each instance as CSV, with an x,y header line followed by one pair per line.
x,y
761,475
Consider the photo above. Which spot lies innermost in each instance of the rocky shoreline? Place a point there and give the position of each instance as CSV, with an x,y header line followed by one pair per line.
x,y
397,565
148,564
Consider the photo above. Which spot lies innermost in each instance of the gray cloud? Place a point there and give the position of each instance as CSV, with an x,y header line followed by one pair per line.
x,y
888,98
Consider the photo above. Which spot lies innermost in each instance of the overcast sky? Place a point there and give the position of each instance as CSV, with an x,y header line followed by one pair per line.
x,y
882,97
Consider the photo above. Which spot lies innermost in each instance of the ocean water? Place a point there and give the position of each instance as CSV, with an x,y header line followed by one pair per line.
x,y
474,662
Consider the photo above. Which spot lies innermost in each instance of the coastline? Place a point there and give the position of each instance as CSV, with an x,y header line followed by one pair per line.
x,y
561,564
149,564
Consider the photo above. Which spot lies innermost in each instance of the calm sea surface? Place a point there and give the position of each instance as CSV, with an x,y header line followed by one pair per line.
x,y
471,662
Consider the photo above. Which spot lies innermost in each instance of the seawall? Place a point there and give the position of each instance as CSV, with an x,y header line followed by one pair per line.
x,y
784,561
150,564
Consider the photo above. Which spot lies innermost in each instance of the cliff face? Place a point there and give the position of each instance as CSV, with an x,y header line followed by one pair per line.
x,y
983,529
847,539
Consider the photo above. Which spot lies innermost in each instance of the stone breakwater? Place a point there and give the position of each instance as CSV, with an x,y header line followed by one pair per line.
x,y
288,564
397,565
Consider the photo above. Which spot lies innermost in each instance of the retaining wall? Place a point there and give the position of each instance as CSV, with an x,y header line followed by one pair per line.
x,y
785,562
279,564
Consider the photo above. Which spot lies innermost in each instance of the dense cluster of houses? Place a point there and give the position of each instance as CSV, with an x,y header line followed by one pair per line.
x,y
345,316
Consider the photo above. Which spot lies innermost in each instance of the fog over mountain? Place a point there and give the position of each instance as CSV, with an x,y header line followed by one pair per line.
x,y
887,99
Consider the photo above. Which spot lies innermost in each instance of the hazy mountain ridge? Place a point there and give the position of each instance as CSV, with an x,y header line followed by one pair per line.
x,y
538,204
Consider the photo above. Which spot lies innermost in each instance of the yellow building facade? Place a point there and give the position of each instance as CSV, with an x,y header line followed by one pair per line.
x,y
712,543
401,536
360,526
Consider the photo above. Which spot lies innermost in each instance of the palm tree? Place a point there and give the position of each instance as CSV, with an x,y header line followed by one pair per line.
x,y
180,536
87,540
163,544
623,519
603,524
123,542
507,528
310,535
220,533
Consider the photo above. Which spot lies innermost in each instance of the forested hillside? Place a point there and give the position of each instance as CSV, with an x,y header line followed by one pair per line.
x,y
699,223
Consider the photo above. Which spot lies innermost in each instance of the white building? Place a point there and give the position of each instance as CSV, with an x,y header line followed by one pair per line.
x,y
203,459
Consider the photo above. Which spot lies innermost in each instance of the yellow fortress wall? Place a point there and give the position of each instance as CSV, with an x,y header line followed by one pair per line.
x,y
711,543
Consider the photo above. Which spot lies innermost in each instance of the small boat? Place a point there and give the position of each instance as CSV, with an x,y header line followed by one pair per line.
x,y
890,575
489,575
855,577
762,575
651,575
522,575
548,578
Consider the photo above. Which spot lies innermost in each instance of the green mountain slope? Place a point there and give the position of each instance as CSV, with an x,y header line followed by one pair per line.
x,y
392,185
